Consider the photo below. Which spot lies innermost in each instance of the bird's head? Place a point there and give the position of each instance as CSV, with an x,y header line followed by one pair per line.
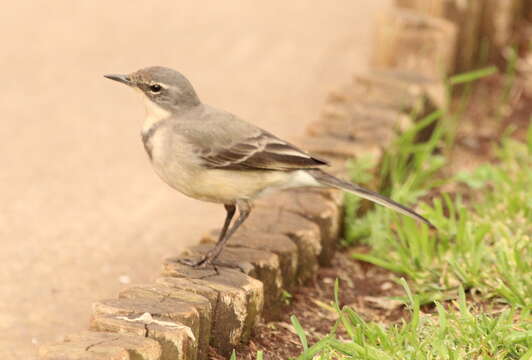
x,y
162,86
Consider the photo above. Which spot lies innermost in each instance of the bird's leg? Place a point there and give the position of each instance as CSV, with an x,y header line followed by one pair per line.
x,y
244,209
230,212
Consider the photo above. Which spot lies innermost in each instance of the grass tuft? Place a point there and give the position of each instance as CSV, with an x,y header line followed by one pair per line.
x,y
485,247
455,331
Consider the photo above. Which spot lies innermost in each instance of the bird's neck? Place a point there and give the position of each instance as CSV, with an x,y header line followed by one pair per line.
x,y
154,115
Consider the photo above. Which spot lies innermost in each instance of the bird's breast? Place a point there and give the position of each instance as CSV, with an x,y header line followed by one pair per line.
x,y
172,158
152,139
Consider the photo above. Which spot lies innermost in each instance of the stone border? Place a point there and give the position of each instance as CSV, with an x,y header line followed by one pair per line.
x,y
290,234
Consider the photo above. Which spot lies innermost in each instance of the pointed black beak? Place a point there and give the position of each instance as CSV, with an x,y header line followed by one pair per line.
x,y
124,79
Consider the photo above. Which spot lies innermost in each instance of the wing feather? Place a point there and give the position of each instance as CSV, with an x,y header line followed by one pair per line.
x,y
264,152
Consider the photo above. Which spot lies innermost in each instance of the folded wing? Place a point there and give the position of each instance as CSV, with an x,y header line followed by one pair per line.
x,y
263,151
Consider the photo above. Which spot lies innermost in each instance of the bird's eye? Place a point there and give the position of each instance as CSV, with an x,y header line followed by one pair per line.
x,y
155,88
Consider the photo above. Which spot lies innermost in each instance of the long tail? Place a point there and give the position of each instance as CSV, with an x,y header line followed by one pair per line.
x,y
331,181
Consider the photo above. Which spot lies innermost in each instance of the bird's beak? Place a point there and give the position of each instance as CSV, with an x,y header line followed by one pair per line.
x,y
124,79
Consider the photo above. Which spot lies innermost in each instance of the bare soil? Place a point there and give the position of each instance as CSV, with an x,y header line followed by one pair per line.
x,y
493,111
364,287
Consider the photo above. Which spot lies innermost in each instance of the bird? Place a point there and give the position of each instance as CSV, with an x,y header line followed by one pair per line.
x,y
212,155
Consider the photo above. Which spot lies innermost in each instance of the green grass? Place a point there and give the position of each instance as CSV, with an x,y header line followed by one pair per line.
x,y
455,331
475,271
407,172
485,246
482,245
465,83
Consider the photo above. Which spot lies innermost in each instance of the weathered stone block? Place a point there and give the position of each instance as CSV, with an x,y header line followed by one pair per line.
x,y
185,284
259,264
372,98
337,150
335,195
373,110
355,129
160,293
304,233
213,296
466,15
409,41
239,305
176,340
364,117
498,22
101,346
526,10
314,206
279,244
386,90
386,98
168,312
426,93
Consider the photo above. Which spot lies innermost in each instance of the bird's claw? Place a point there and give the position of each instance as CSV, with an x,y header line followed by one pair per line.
x,y
201,263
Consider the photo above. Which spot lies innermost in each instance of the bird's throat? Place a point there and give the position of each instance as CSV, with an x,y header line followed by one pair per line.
x,y
154,115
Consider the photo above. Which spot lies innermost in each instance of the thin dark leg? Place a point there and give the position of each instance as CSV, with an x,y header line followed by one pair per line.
x,y
244,210
230,212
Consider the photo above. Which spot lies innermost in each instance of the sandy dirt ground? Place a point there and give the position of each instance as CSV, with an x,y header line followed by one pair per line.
x,y
81,212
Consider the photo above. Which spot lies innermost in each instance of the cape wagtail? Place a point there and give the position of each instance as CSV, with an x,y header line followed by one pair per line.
x,y
212,155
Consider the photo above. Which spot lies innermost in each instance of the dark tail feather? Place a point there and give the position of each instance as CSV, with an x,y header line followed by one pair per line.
x,y
329,180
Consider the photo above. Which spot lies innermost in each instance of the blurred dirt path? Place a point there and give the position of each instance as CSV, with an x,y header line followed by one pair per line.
x,y
81,211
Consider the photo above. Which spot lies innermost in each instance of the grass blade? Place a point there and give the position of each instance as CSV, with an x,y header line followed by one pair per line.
x,y
472,75
300,332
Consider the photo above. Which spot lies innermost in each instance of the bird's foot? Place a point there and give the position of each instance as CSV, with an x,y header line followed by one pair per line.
x,y
201,263
206,261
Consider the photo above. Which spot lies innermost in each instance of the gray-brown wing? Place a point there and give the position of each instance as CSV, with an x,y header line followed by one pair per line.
x,y
263,151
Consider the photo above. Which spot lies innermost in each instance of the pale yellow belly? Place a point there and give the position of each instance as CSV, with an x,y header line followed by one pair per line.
x,y
222,186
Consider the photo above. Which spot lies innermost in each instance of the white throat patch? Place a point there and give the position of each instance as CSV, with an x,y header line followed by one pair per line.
x,y
154,114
